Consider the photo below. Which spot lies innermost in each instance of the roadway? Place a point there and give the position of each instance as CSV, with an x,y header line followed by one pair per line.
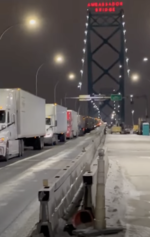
x,y
20,180
128,187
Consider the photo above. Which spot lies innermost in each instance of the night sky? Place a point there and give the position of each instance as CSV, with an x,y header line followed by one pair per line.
x,y
61,30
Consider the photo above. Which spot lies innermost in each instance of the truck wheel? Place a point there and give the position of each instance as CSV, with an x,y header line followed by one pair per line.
x,y
38,143
63,138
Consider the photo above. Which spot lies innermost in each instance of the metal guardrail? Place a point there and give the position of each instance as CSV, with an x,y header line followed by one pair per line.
x,y
59,193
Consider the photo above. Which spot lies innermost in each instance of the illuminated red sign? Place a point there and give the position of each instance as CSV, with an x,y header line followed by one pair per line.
x,y
111,9
105,6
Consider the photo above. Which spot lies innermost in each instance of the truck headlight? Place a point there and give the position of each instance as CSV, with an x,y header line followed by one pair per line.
x,y
49,135
2,139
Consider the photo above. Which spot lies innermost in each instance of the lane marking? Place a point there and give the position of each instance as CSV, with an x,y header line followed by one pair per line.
x,y
25,159
44,152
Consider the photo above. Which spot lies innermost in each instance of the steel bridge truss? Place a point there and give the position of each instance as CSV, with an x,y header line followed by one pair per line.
x,y
103,20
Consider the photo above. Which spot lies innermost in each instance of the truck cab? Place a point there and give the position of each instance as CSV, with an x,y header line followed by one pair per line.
x,y
55,124
8,128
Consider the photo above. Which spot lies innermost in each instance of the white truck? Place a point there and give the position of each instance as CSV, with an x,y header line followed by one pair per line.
x,y
22,122
56,124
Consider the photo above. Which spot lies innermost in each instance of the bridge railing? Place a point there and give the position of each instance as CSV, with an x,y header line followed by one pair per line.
x,y
58,193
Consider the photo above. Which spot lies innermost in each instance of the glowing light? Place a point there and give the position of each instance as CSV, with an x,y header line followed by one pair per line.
x,y
59,59
128,71
126,49
85,41
83,50
145,59
82,60
71,76
32,22
135,77
120,66
105,4
101,9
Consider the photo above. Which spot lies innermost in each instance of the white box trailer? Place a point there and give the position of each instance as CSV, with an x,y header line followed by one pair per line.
x,y
56,123
22,122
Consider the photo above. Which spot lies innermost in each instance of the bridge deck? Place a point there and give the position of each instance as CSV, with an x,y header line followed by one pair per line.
x,y
128,185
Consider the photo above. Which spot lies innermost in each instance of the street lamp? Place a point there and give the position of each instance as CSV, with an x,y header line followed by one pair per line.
x,y
145,59
135,77
36,78
59,59
30,22
71,76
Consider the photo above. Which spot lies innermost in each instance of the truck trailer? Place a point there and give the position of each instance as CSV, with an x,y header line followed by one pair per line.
x,y
56,124
72,124
22,122
81,125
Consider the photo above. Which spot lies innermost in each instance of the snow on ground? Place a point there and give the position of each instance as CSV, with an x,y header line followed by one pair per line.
x,y
118,190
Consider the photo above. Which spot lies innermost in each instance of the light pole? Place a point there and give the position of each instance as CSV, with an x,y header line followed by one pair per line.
x,y
30,22
71,77
55,87
36,78
5,31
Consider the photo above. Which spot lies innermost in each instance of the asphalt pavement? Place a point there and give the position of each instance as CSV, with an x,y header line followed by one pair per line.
x,y
21,178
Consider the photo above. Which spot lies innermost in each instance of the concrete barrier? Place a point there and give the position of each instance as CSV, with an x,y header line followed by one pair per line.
x,y
59,193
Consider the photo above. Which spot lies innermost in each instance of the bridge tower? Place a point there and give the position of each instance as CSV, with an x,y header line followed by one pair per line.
x,y
108,17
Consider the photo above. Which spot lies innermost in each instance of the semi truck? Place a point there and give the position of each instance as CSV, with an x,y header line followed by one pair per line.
x,y
72,124
89,124
56,124
22,122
